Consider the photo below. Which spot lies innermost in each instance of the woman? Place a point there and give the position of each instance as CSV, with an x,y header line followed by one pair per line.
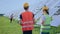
x,y
45,21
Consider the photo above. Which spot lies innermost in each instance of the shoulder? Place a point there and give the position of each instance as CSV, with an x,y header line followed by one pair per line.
x,y
50,16
42,16
31,12
23,12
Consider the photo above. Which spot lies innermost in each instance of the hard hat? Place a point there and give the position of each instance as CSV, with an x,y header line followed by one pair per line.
x,y
45,8
26,5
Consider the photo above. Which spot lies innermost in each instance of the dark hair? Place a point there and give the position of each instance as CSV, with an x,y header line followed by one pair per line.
x,y
26,8
47,12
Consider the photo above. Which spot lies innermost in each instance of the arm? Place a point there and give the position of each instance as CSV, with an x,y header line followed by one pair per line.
x,y
20,19
33,19
51,18
42,20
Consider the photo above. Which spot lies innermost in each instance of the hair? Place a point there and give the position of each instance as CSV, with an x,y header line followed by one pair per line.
x,y
26,8
47,11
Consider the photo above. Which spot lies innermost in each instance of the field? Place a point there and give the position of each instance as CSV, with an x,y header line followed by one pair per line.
x,y
14,28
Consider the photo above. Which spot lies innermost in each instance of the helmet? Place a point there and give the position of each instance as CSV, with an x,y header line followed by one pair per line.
x,y
45,8
26,5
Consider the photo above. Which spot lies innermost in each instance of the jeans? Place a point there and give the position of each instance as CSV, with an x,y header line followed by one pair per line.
x,y
27,32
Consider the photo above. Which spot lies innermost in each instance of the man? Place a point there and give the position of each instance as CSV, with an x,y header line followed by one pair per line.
x,y
27,20
11,18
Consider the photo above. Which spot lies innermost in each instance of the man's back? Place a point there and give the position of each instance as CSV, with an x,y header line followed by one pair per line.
x,y
26,16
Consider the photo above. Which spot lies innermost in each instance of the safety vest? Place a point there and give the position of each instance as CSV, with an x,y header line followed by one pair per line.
x,y
27,21
46,27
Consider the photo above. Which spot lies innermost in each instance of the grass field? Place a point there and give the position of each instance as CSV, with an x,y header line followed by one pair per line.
x,y
14,28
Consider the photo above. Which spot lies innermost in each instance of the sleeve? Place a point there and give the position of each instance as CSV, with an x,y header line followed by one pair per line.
x,y
20,16
42,19
33,15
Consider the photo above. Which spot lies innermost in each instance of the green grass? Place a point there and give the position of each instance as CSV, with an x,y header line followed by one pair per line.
x,y
14,28
9,28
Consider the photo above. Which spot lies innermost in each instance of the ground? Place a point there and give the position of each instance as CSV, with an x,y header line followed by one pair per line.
x,y
14,28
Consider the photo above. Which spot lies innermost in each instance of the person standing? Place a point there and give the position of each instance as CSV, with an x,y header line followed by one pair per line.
x,y
11,18
45,21
27,20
